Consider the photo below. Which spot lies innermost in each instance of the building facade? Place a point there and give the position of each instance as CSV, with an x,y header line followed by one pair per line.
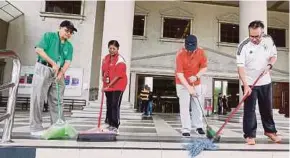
x,y
150,33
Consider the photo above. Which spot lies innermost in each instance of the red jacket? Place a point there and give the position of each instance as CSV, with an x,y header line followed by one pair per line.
x,y
112,68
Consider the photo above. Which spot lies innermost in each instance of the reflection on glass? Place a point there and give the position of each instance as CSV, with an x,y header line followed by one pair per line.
x,y
217,90
149,82
225,88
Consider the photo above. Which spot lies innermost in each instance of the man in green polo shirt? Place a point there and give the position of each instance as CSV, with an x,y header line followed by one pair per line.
x,y
54,57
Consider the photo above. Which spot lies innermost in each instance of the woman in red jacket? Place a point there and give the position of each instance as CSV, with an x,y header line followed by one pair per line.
x,y
114,83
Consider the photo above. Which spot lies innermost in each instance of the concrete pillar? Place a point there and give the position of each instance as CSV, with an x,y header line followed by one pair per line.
x,y
133,87
118,25
250,11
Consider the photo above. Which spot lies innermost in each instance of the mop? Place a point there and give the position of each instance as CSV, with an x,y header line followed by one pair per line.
x,y
97,134
61,129
198,145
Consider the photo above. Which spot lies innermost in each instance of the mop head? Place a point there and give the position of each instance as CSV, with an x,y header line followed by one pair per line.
x,y
61,130
198,145
97,135
210,133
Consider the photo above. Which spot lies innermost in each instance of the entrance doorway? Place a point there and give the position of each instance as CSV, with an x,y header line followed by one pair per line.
x,y
281,97
163,88
228,88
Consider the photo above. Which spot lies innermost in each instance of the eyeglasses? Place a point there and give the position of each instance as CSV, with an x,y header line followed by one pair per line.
x,y
255,37
68,31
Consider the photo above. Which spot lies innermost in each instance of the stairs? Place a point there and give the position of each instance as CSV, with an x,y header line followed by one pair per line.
x,y
93,109
238,117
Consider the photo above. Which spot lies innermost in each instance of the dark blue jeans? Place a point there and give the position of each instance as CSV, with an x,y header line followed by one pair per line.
x,y
150,104
264,96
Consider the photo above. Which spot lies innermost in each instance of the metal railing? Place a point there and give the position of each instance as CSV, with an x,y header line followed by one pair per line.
x,y
8,117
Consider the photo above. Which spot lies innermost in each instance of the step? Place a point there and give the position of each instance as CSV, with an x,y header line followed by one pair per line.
x,y
104,111
99,103
135,149
93,108
105,108
95,115
240,119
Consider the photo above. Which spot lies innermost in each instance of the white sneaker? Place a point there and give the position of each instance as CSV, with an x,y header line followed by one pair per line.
x,y
115,130
37,133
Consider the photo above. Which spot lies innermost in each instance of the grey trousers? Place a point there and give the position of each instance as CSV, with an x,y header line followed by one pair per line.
x,y
185,102
44,88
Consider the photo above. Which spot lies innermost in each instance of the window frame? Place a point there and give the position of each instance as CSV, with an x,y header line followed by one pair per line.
x,y
227,44
177,40
45,14
144,36
286,40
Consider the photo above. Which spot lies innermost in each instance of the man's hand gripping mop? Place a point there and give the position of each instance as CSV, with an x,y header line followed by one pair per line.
x,y
200,144
61,129
97,134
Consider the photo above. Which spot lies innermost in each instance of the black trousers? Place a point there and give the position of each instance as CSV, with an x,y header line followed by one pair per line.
x,y
114,99
264,96
220,108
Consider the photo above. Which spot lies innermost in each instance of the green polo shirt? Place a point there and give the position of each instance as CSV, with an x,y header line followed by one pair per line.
x,y
57,51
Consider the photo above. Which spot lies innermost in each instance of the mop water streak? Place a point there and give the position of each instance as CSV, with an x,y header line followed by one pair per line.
x,y
97,134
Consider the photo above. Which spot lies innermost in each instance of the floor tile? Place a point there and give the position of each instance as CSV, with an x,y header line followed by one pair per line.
x,y
174,154
141,153
100,153
50,153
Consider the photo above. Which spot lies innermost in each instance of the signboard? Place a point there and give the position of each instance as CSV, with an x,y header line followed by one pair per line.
x,y
73,81
25,80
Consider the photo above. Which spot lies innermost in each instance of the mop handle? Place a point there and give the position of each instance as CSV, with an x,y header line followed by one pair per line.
x,y
58,100
238,106
101,109
204,117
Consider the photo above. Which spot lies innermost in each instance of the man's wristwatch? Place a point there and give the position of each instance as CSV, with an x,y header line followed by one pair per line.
x,y
270,66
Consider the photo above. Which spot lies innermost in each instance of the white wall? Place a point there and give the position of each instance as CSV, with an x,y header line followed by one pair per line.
x,y
26,31
205,26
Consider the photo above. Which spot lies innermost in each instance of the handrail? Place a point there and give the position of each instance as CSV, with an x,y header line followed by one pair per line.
x,y
13,87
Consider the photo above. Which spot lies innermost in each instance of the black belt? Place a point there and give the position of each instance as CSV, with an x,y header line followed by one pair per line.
x,y
44,63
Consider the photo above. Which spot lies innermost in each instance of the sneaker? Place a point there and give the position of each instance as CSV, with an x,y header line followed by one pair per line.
x,y
273,137
108,128
37,133
115,130
186,134
200,131
250,141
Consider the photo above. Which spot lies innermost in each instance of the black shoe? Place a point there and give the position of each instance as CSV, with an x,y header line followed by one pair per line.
x,y
200,131
186,134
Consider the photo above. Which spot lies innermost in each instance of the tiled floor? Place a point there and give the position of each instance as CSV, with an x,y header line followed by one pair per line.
x,y
156,137
162,127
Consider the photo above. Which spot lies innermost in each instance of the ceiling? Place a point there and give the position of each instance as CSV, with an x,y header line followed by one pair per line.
x,y
280,6
8,12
